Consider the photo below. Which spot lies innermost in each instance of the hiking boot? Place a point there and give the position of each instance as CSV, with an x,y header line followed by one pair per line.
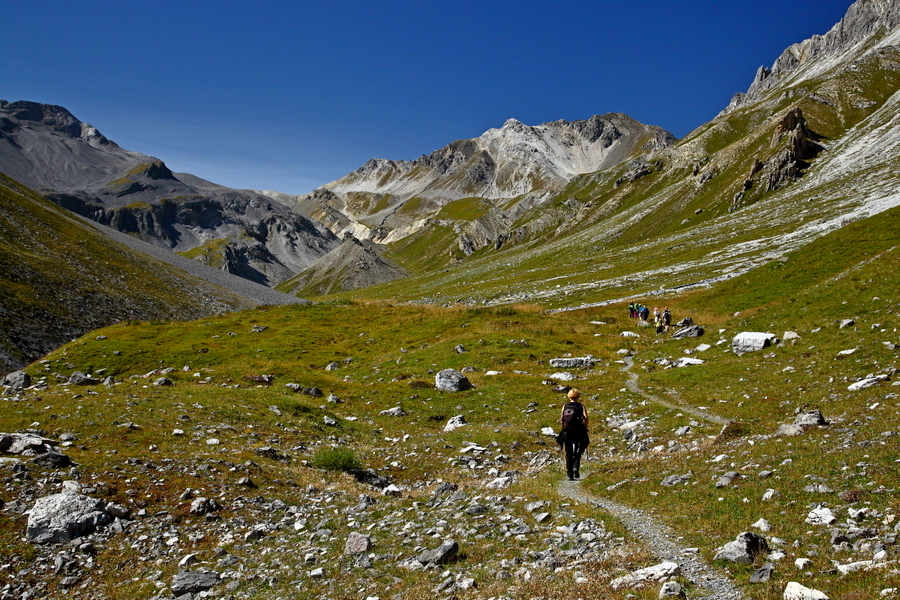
x,y
577,475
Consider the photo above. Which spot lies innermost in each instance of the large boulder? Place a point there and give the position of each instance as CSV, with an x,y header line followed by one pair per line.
x,y
692,331
79,378
25,444
191,582
444,554
584,362
18,380
63,517
752,341
451,380
743,549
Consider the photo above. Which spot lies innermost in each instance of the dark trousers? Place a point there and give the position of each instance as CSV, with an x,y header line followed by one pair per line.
x,y
574,450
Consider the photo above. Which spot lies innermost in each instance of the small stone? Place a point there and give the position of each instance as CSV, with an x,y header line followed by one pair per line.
x,y
357,543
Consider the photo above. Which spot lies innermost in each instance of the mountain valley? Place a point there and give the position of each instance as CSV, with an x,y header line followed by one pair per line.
x,y
179,422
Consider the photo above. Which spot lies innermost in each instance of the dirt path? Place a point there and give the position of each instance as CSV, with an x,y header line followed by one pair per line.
x,y
632,384
659,539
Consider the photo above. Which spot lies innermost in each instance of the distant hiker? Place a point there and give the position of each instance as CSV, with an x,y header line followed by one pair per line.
x,y
645,313
656,314
632,310
659,324
574,434
667,318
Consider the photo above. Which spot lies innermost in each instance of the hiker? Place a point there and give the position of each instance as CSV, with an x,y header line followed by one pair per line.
x,y
632,309
667,318
659,324
645,314
574,434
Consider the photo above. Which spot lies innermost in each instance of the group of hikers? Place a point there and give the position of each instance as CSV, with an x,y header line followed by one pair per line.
x,y
662,320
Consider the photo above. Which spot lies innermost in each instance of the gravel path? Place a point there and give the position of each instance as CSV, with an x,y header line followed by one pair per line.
x,y
238,285
659,539
661,542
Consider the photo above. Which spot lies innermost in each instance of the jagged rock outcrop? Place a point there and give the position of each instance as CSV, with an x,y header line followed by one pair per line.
x,y
864,19
48,149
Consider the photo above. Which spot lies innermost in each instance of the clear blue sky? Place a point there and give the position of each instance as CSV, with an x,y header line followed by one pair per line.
x,y
291,95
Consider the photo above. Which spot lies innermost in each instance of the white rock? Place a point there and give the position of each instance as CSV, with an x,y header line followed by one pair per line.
x,y
212,442
821,516
867,382
790,335
685,361
770,494
752,341
855,566
803,563
762,525
702,347
499,483
629,334
548,431
564,376
493,372
455,423
391,490
847,352
658,573
795,591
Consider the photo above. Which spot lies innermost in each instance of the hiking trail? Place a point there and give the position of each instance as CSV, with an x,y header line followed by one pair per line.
x,y
659,539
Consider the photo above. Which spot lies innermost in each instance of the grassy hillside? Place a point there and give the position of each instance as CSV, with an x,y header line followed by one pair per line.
x,y
384,355
60,278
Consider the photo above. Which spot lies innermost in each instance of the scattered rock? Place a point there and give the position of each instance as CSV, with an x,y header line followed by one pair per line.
x,y
685,361
455,423
752,341
191,582
821,516
692,331
671,589
868,382
79,378
203,506
442,555
585,362
743,549
357,543
397,411
451,380
657,573
844,323
17,380
809,419
795,591
762,574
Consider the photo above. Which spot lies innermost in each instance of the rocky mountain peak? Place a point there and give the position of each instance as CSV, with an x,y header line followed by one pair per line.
x,y
863,21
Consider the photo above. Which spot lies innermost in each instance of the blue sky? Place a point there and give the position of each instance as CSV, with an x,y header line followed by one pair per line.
x,y
291,95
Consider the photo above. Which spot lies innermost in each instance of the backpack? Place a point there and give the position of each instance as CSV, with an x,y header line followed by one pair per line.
x,y
572,415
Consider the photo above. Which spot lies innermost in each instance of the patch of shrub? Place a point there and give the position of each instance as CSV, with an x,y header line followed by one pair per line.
x,y
336,459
